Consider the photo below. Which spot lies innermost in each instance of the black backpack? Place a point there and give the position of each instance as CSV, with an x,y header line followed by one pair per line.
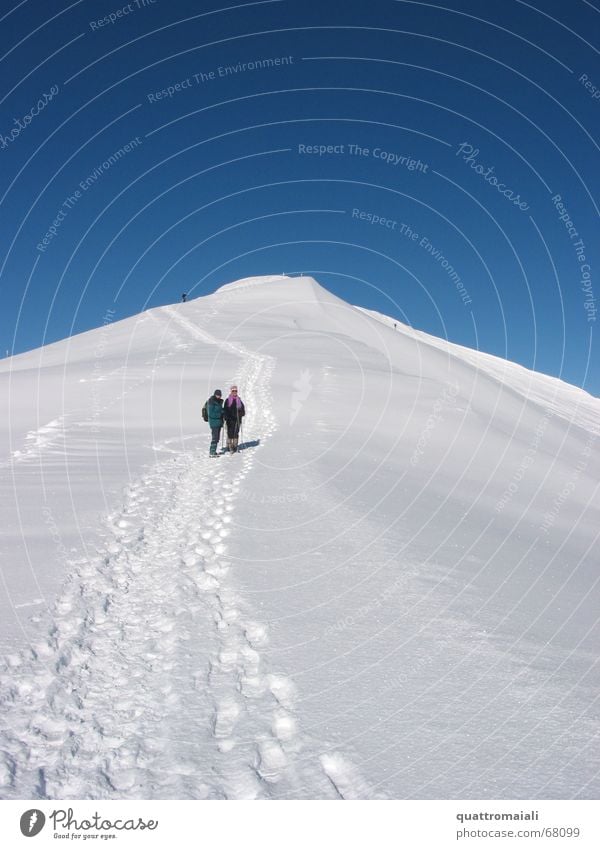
x,y
205,412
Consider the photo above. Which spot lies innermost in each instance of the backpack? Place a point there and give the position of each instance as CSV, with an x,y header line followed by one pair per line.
x,y
205,412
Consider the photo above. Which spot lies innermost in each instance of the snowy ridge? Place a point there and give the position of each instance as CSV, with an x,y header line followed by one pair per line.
x,y
151,682
570,402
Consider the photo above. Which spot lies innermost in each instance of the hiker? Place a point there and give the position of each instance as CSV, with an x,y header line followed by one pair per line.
x,y
212,412
184,297
233,413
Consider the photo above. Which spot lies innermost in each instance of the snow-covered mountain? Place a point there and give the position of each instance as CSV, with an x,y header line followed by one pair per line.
x,y
392,591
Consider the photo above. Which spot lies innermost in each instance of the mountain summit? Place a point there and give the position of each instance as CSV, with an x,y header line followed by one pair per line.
x,y
390,591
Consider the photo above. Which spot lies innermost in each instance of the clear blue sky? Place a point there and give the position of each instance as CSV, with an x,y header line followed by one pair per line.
x,y
149,149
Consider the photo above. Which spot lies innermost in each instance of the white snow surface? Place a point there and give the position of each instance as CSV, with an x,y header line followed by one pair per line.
x,y
391,591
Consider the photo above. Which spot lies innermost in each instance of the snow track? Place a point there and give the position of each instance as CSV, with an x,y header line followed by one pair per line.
x,y
151,682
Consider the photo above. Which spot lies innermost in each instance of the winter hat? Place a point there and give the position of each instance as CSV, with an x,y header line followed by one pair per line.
x,y
217,392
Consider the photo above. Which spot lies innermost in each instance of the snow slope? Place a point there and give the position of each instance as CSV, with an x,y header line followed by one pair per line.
x,y
392,591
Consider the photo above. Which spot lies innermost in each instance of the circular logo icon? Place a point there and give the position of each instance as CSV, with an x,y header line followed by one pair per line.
x,y
32,822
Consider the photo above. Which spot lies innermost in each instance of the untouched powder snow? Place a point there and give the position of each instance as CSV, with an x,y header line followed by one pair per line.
x,y
391,591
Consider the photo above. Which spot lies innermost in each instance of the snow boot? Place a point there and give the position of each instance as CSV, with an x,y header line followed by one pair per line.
x,y
234,446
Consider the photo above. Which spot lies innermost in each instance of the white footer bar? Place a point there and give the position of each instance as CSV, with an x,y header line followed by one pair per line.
x,y
306,824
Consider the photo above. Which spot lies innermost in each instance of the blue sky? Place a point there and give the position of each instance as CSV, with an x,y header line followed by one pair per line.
x,y
436,162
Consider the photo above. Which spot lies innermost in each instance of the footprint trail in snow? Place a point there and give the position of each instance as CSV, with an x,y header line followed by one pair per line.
x,y
151,682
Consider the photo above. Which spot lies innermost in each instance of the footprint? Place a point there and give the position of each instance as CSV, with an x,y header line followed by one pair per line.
x,y
284,726
243,785
272,761
228,658
252,686
190,559
256,634
230,615
218,570
226,716
345,777
283,689
206,582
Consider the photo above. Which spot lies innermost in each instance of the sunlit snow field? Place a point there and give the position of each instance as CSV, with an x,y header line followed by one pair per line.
x,y
390,592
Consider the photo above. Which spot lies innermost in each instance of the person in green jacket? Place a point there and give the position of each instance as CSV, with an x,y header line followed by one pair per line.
x,y
214,410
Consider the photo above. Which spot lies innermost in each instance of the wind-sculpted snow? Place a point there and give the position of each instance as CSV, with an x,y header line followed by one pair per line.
x,y
571,403
390,591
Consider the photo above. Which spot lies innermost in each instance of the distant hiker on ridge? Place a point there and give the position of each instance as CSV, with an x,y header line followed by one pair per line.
x,y
184,297
233,413
212,412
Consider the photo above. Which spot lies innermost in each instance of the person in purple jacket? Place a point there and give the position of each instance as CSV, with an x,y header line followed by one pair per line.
x,y
233,413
